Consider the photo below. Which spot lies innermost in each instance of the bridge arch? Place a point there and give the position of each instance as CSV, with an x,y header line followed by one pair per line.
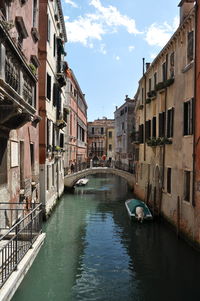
x,y
70,180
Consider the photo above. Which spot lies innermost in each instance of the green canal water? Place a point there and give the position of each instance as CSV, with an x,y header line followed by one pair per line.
x,y
93,252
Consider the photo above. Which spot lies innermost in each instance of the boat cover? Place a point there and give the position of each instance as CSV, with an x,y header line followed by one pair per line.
x,y
137,203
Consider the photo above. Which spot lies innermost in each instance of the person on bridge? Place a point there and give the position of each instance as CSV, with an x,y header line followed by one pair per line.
x,y
72,167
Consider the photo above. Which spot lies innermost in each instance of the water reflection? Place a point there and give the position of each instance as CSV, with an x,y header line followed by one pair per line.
x,y
94,252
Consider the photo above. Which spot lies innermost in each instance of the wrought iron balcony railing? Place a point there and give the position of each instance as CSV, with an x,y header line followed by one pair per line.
x,y
19,238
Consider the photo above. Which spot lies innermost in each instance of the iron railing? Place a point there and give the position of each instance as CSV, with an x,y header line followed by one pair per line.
x,y
16,241
100,163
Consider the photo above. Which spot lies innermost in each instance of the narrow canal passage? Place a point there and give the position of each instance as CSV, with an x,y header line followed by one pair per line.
x,y
93,252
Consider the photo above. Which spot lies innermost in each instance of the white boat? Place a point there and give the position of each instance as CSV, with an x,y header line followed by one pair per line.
x,y
131,206
82,182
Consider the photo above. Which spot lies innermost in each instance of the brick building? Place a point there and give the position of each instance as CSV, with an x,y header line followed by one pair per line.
x,y
98,137
19,155
76,133
52,79
165,121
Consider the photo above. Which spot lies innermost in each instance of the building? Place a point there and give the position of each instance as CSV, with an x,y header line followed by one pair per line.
x,y
124,127
98,137
76,134
196,184
165,100
111,142
19,154
21,234
52,79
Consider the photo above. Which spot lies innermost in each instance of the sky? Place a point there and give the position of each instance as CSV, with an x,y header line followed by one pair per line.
x,y
107,40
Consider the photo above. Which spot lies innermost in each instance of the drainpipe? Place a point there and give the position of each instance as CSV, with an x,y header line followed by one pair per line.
x,y
194,110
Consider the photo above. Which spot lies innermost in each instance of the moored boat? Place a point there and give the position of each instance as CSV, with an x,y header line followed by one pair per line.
x,y
82,182
138,210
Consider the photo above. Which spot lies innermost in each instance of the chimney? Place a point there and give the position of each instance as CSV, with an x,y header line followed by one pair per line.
x,y
185,8
147,66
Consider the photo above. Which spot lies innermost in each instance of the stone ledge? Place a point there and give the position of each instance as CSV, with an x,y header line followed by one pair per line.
x,y
9,288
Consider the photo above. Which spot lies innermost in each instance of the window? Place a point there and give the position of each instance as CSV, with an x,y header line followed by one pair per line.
x,y
110,134
149,84
155,79
142,95
125,109
32,156
190,48
3,9
93,131
110,147
169,172
54,45
162,124
188,118
187,186
48,178
164,71
170,122
102,130
61,140
34,12
154,127
141,133
147,130
3,160
83,135
48,29
48,86
172,65
122,126
53,175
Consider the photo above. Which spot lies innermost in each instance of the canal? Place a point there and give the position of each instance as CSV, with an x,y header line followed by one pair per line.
x,y
93,252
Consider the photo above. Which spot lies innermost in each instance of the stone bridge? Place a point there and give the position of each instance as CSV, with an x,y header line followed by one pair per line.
x,y
70,180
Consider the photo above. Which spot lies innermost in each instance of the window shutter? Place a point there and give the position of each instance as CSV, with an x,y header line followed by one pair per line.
x,y
191,116
154,127
185,118
172,123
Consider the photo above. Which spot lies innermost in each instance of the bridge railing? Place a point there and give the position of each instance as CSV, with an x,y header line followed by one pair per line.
x,y
100,163
16,240
124,166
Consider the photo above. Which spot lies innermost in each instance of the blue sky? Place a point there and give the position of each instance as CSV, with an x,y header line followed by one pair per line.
x,y
107,40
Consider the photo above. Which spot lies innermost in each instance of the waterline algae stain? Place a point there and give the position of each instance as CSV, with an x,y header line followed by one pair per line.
x,y
93,252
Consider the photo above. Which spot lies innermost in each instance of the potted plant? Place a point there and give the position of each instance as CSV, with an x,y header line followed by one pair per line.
x,y
148,100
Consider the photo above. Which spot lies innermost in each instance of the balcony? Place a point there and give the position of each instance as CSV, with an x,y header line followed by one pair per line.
x,y
61,123
61,72
17,86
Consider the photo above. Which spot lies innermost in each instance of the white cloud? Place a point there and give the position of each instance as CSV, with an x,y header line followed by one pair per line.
x,y
158,35
94,25
83,30
131,48
72,3
112,17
